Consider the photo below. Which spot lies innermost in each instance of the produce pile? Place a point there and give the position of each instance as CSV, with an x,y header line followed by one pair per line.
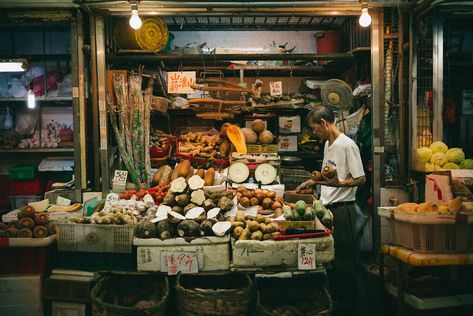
x,y
158,139
114,215
455,205
267,201
256,227
439,157
203,145
30,224
257,133
157,193
187,211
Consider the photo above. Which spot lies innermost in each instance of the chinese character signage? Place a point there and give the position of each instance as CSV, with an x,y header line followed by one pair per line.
x,y
174,262
306,256
275,88
180,82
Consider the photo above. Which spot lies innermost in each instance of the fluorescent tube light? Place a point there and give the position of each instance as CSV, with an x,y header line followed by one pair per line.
x,y
13,65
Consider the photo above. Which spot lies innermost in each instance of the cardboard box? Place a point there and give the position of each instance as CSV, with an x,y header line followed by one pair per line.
x,y
255,148
289,124
287,143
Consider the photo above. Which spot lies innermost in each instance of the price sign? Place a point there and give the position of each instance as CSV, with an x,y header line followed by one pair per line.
x,y
306,256
111,199
174,262
180,81
275,88
119,181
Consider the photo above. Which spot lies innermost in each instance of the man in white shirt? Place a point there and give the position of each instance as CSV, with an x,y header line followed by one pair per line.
x,y
338,195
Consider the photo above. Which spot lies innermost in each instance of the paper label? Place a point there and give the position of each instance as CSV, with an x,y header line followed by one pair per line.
x,y
306,256
63,201
275,88
119,181
111,199
174,262
180,82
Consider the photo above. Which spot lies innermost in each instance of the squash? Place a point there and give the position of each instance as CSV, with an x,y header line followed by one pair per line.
x,y
184,167
237,138
238,172
250,135
265,173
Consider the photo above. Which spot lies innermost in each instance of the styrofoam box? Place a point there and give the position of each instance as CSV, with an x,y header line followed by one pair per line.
x,y
289,124
287,143
68,309
281,253
20,295
213,253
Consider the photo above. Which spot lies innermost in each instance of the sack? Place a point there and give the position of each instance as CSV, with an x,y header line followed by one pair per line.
x,y
26,122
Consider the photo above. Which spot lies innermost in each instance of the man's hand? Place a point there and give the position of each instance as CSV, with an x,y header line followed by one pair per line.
x,y
330,182
306,185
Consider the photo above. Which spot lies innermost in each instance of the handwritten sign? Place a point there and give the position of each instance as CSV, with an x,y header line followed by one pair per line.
x,y
119,181
275,88
180,81
111,199
306,256
174,262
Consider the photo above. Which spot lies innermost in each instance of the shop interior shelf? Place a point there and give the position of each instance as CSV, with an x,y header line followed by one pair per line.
x,y
38,150
51,99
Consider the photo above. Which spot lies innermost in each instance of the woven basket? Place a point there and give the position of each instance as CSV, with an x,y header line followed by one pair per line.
x,y
117,286
302,294
226,295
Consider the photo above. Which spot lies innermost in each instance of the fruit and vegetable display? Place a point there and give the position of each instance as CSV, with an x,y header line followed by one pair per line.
x,y
259,227
115,215
157,193
265,173
30,224
438,157
187,211
453,206
158,139
266,201
298,211
258,133
204,145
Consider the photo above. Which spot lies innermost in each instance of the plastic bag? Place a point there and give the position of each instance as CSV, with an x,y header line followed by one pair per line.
x,y
179,103
26,122
16,90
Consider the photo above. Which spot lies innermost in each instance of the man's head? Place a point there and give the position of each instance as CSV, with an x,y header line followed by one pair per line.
x,y
319,120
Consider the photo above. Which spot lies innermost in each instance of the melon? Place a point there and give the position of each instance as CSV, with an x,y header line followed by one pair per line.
x,y
250,135
266,137
258,126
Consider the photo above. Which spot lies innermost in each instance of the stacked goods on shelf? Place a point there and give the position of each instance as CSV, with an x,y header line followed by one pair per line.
x,y
265,200
204,147
159,144
434,227
438,157
289,128
25,186
247,227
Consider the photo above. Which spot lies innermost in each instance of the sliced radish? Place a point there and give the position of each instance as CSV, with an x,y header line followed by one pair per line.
x,y
238,172
213,212
162,212
265,173
194,212
221,228
175,217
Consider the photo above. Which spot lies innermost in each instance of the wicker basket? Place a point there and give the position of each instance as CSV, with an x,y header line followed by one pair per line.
x,y
114,287
303,294
198,295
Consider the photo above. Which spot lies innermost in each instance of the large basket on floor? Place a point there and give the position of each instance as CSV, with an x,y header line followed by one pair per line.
x,y
225,295
115,286
275,295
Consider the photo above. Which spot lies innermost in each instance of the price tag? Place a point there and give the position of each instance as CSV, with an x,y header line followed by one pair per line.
x,y
306,256
63,201
119,181
111,199
275,88
180,81
174,262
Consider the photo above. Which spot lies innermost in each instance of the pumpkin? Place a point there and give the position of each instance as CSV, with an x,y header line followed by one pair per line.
x,y
266,137
250,135
237,138
258,126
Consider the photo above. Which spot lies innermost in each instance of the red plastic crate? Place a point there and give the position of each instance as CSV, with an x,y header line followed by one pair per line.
x,y
28,187
28,260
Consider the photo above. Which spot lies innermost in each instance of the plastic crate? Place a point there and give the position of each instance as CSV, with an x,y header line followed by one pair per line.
x,y
68,309
23,172
68,289
95,238
28,187
20,201
294,177
434,238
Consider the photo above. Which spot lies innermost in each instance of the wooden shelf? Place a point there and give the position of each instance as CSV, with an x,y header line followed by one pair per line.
x,y
38,150
38,99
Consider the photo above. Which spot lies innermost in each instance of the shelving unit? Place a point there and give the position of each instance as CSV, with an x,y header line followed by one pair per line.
x,y
54,46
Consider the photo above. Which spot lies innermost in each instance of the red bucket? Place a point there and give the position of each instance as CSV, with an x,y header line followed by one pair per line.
x,y
328,42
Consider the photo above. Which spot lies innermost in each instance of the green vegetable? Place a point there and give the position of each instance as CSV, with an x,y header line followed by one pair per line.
x,y
467,164
455,155
309,213
327,220
319,209
300,207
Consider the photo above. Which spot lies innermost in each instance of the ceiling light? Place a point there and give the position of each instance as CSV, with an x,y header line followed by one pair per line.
x,y
365,18
13,65
135,21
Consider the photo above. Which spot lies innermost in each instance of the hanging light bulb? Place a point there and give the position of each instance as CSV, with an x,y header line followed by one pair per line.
x,y
365,18
31,99
135,21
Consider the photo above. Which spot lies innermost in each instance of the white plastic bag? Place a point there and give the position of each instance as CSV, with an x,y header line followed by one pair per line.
x,y
26,122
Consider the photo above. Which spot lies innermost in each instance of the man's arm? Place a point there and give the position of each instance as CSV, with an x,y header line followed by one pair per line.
x,y
351,182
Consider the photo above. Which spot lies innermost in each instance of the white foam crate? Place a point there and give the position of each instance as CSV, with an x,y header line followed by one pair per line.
x,y
213,253
20,295
95,238
68,309
257,255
